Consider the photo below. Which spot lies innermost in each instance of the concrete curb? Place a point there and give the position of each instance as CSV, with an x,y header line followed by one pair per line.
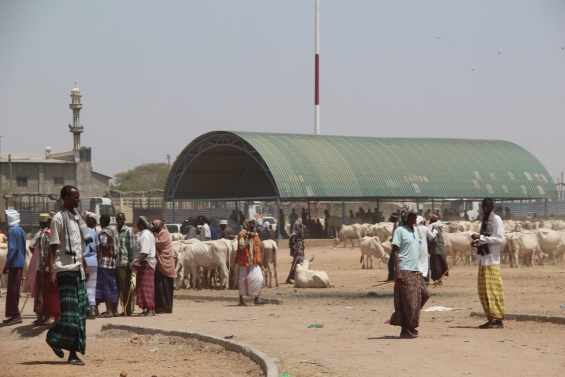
x,y
274,301
527,317
266,363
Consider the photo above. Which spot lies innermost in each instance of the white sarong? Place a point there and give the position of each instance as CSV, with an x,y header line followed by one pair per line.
x,y
250,280
91,285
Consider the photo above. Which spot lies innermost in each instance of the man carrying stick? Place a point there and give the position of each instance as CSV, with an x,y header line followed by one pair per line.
x,y
491,290
410,292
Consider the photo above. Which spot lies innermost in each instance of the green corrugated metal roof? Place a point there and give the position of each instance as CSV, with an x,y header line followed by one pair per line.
x,y
318,167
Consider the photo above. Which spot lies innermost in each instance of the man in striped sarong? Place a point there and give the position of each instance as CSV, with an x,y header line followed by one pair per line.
x,y
410,292
491,290
106,288
69,274
144,263
15,260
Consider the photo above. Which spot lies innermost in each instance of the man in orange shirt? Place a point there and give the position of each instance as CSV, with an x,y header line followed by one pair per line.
x,y
248,259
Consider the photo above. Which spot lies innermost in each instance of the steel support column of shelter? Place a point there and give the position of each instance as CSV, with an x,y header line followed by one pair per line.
x,y
545,209
279,215
343,212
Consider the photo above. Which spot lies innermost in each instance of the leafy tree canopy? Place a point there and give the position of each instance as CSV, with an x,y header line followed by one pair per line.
x,y
141,178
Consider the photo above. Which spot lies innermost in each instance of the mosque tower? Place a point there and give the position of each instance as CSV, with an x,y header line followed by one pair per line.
x,y
76,128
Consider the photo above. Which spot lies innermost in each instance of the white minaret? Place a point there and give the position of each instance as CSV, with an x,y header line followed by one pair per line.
x,y
76,128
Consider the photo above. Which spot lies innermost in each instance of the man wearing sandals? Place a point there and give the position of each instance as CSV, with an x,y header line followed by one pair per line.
x,y
410,292
14,267
248,259
491,290
106,287
69,274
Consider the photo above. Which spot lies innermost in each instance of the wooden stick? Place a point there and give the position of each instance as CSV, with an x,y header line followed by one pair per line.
x,y
460,255
386,282
21,311
392,281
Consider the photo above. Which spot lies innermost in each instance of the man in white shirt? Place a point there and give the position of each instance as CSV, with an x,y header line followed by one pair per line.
x,y
436,248
205,234
69,273
491,290
423,260
144,263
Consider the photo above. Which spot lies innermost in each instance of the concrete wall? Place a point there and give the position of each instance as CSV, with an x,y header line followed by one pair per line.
x,y
41,178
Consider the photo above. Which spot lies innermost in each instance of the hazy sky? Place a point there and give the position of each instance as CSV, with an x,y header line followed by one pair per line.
x,y
156,74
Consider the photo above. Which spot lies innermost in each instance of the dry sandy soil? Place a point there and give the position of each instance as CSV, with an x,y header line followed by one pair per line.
x,y
353,342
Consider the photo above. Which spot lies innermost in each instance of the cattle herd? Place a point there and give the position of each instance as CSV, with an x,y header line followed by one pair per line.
x,y
525,242
211,264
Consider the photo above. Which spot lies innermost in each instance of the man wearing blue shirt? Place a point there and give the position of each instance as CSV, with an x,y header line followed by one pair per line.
x,y
15,260
410,292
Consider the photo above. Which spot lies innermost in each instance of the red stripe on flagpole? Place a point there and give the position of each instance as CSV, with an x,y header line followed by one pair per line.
x,y
317,84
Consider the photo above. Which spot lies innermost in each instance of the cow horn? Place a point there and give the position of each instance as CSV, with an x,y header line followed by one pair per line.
x,y
312,259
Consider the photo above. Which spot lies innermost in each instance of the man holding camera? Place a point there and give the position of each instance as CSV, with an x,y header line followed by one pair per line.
x,y
491,290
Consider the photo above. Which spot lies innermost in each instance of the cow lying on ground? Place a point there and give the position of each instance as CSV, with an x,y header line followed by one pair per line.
x,y
304,277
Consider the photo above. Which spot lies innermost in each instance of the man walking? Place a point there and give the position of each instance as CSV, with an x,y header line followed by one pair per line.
x,y
393,219
436,248
69,274
125,257
106,288
34,278
410,292
292,218
14,267
491,290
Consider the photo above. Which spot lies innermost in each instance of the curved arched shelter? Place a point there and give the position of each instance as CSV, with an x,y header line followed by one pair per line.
x,y
224,165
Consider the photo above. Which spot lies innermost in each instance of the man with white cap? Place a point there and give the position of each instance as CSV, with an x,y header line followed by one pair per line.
x,y
15,260
227,232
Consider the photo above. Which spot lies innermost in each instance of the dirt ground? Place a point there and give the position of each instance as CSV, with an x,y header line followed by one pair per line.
x,y
355,341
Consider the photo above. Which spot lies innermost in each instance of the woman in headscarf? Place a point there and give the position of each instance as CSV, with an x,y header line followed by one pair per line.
x,y
248,258
410,292
144,263
296,246
90,254
165,272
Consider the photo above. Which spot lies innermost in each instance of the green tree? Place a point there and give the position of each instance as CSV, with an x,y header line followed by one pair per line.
x,y
141,178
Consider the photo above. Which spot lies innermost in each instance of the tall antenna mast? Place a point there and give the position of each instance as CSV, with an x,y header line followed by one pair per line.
x,y
317,80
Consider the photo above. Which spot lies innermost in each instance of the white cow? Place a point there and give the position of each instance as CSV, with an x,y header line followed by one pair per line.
x,y
270,258
558,225
551,242
372,247
177,237
204,255
387,246
348,232
367,230
304,277
455,243
523,245
384,231
336,222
